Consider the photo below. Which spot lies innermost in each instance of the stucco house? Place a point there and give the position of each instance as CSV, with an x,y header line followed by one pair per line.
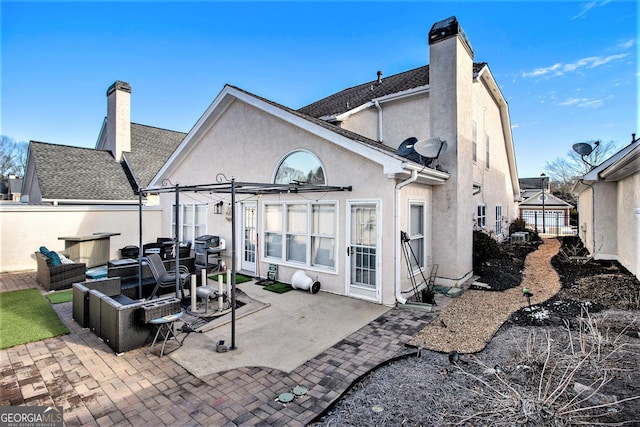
x,y
609,208
127,156
354,242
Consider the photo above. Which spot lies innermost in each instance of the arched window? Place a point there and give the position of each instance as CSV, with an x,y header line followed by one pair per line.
x,y
300,166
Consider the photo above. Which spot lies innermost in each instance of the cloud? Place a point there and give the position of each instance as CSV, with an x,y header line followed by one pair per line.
x,y
560,69
582,103
588,6
628,44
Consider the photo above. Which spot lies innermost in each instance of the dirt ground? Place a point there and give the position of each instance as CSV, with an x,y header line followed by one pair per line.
x,y
573,359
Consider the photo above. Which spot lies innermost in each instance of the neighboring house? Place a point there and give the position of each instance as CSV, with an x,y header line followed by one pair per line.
x,y
351,241
15,188
126,157
609,208
11,189
541,210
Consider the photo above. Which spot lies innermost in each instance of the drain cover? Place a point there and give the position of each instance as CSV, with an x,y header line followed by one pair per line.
x,y
286,397
299,390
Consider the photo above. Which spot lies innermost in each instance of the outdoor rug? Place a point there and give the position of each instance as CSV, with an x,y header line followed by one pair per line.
x,y
278,288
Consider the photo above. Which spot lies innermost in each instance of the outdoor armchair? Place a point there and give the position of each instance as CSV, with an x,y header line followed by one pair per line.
x,y
55,277
166,279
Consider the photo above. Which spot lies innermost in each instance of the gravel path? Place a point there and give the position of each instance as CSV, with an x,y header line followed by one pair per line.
x,y
471,320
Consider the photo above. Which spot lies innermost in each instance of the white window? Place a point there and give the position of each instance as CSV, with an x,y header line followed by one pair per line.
x,y
487,151
481,218
193,220
301,233
273,231
300,166
498,219
416,235
475,141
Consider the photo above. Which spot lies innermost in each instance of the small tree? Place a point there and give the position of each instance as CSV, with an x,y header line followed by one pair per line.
x,y
13,157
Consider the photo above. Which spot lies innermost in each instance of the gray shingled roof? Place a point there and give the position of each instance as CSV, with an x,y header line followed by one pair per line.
x,y
76,173
150,148
333,128
356,96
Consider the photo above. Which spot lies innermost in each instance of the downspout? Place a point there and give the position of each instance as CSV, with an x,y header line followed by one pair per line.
x,y
377,104
593,215
412,178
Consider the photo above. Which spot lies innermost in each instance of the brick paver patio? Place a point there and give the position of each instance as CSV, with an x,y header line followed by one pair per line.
x,y
97,387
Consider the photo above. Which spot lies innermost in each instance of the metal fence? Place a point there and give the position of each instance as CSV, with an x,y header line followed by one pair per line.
x,y
552,222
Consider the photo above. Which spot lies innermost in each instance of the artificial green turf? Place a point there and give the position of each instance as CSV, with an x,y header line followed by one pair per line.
x,y
240,278
59,297
26,316
278,288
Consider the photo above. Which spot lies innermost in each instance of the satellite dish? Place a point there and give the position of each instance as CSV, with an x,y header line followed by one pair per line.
x,y
407,146
430,148
582,148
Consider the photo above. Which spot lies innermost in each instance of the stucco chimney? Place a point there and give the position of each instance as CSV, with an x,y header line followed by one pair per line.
x,y
118,138
451,112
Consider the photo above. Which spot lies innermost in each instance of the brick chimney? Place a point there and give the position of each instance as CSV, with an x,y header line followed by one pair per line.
x,y
118,128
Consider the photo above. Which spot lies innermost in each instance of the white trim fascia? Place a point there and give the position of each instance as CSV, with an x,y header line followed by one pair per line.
x,y
632,156
382,99
402,94
57,202
434,176
594,174
496,93
211,115
229,94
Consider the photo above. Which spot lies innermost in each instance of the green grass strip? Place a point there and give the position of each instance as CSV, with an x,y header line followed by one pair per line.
x,y
240,278
59,297
26,316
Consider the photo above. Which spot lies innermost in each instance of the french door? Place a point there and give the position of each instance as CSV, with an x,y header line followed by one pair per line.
x,y
363,239
249,237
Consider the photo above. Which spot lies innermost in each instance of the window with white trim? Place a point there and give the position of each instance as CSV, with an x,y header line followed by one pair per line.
x,y
487,152
193,220
416,234
498,219
481,217
475,141
301,233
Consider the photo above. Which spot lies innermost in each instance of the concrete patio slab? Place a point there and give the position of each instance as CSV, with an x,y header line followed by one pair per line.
x,y
299,325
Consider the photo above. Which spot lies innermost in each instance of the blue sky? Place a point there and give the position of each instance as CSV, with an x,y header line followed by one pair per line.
x,y
569,70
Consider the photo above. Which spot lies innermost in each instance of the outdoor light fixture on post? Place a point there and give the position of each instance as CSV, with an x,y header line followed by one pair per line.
x,y
543,176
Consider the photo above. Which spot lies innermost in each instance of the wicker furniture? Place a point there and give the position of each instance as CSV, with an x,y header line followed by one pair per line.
x,y
81,297
118,320
55,277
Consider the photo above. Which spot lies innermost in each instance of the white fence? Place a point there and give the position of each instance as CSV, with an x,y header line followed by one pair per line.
x,y
24,228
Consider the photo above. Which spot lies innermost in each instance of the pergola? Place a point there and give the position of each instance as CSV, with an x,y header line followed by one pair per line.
x,y
223,185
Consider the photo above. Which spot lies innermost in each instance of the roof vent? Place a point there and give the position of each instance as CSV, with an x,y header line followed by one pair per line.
x,y
379,77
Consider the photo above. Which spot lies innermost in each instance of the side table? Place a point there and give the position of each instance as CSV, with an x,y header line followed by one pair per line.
x,y
165,326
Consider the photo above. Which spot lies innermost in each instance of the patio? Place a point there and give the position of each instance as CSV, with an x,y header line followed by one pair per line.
x,y
279,348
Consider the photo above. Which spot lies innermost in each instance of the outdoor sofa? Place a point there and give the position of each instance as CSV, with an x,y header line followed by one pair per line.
x,y
55,277
121,322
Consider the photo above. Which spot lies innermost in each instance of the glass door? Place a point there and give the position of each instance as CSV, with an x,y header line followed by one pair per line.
x,y
249,237
362,250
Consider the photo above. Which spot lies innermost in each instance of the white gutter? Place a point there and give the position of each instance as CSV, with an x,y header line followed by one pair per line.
x,y
412,178
57,202
377,104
